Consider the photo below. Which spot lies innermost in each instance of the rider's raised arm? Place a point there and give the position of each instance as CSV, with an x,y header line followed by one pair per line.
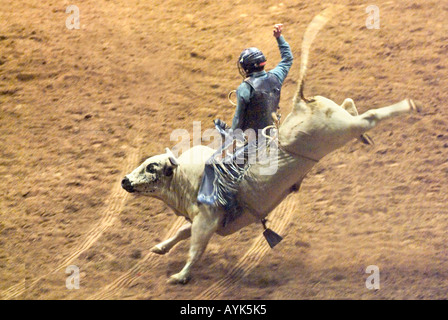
x,y
282,69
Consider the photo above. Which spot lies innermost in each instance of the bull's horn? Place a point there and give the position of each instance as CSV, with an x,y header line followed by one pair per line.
x,y
172,158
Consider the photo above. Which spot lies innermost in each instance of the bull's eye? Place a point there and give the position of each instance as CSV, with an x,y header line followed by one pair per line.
x,y
150,168
168,171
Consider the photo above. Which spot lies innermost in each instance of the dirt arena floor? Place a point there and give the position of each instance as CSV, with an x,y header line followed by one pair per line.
x,y
81,108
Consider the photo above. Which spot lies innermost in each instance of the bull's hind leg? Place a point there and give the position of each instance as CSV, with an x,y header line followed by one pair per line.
x,y
370,119
183,233
349,106
203,226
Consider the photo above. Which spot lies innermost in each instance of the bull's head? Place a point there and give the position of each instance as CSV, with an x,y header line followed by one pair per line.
x,y
153,174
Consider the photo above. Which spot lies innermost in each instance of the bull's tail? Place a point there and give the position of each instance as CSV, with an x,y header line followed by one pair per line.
x,y
310,34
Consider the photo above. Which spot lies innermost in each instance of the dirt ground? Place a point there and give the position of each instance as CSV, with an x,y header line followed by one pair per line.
x,y
81,108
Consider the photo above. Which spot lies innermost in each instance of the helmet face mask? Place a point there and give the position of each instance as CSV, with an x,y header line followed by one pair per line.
x,y
251,60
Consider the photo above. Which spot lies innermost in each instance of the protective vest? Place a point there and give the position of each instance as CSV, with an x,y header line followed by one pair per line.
x,y
265,99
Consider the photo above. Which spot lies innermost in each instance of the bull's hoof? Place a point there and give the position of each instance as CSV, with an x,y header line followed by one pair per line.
x,y
159,250
416,106
366,139
178,279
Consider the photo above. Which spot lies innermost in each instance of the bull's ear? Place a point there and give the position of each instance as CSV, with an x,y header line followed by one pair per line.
x,y
171,157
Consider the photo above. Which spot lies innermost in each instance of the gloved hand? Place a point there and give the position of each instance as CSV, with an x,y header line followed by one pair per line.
x,y
221,124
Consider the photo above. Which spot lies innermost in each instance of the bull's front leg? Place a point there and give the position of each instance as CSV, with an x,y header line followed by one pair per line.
x,y
203,226
183,233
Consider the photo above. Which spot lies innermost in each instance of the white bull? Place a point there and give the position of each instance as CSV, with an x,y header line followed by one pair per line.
x,y
314,128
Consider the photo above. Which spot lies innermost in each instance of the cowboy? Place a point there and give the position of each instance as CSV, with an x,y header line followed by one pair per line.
x,y
258,95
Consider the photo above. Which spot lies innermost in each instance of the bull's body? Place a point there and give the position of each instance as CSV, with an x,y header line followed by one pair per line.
x,y
313,129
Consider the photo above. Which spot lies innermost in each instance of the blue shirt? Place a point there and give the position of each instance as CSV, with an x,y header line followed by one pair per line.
x,y
244,91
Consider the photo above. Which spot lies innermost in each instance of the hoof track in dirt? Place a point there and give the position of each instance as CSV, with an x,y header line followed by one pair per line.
x,y
116,202
280,219
150,261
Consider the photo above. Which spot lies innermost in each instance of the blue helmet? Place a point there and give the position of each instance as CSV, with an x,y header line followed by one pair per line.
x,y
251,60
